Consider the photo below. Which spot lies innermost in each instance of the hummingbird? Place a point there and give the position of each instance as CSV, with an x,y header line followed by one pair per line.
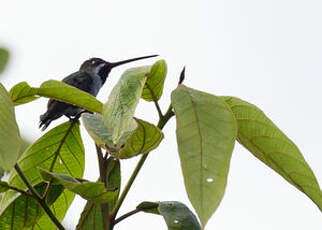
x,y
90,78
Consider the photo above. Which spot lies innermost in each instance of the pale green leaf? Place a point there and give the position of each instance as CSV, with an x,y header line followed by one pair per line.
x,y
4,57
118,111
145,138
155,81
10,140
23,211
22,93
96,128
206,133
92,191
60,148
269,144
63,92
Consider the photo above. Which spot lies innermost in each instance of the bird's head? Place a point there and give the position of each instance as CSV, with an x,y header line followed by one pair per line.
x,y
103,68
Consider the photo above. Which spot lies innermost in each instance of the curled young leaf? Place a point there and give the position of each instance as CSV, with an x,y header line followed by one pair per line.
x,y
22,93
92,191
153,87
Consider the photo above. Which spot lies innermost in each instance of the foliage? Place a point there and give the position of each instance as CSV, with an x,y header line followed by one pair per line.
x,y
46,176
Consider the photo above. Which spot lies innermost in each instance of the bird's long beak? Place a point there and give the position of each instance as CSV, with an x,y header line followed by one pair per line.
x,y
113,64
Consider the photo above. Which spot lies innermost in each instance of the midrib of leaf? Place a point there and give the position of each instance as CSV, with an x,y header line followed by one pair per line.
x,y
201,148
60,146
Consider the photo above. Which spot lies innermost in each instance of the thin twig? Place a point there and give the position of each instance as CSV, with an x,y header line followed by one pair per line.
x,y
23,192
126,215
38,198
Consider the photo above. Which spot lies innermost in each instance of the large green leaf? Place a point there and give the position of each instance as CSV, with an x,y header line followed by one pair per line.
x,y
10,140
22,93
93,191
118,111
60,149
4,57
176,214
144,139
155,81
63,92
206,133
24,211
91,217
269,144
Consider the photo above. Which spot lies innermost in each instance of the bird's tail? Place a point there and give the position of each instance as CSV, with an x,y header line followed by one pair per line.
x,y
45,120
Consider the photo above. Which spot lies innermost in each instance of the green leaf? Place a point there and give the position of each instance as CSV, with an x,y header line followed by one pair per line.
x,y
149,207
60,148
206,133
91,217
96,128
144,139
155,81
10,140
63,92
176,215
4,57
22,93
93,191
24,211
3,186
118,111
269,144
113,178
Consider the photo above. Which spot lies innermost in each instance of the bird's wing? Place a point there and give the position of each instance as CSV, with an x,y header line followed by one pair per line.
x,y
81,80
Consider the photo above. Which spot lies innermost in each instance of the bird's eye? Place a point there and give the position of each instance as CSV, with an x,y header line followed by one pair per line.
x,y
93,62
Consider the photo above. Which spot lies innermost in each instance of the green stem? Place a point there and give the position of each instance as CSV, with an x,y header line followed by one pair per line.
x,y
155,101
38,198
17,190
126,215
164,119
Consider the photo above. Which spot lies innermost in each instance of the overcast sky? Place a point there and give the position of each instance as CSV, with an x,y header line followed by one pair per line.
x,y
266,52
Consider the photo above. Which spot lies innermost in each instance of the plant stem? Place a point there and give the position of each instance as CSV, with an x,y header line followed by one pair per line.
x,y
100,162
155,101
18,190
163,120
38,198
126,215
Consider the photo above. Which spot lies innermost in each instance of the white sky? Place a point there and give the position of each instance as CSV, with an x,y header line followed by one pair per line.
x,y
266,52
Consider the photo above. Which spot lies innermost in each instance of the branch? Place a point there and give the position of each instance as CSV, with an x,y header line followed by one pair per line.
x,y
23,192
38,198
126,215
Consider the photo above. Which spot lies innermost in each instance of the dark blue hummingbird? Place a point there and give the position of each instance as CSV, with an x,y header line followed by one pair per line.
x,y
90,78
